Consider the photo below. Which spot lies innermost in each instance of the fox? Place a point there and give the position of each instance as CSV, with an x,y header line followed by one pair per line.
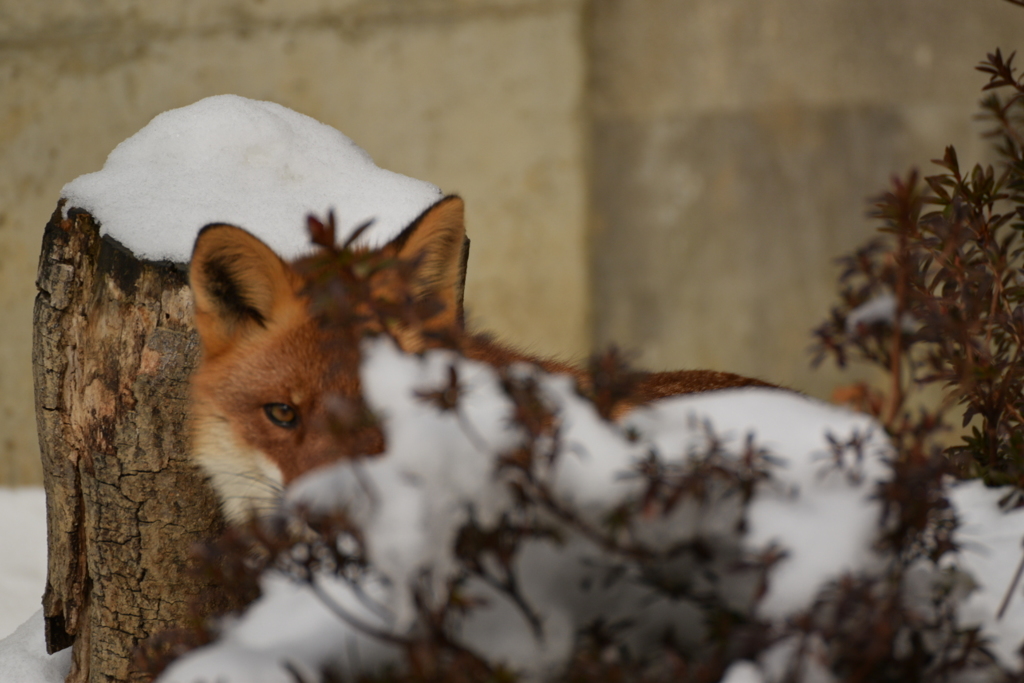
x,y
274,377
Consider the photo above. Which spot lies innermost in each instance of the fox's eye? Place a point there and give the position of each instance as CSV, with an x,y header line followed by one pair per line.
x,y
282,414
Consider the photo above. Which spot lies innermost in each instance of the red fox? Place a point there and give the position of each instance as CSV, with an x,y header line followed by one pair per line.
x,y
274,379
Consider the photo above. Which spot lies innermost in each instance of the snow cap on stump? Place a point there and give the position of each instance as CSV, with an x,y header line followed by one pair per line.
x,y
258,165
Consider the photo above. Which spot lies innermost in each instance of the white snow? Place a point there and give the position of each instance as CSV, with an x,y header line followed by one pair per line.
x,y
23,657
257,165
289,625
743,671
991,549
810,498
22,555
880,309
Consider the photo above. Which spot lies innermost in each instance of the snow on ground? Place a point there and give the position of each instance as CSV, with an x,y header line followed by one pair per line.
x,y
22,555
23,657
257,165
990,551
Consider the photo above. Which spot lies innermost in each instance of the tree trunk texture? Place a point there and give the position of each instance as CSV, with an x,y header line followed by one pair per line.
x,y
113,348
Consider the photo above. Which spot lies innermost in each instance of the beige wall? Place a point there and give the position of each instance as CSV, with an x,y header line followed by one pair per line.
x,y
482,98
684,169
735,145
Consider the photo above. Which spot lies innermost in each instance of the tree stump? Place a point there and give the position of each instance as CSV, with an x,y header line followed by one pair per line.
x,y
113,348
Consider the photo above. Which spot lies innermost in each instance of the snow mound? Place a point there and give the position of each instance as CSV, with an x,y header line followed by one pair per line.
x,y
23,657
258,165
990,551
22,573
813,494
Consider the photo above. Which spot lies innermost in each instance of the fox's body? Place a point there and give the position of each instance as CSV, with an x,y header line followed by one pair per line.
x,y
277,392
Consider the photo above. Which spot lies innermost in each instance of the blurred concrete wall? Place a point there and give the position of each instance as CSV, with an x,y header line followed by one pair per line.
x,y
735,145
673,175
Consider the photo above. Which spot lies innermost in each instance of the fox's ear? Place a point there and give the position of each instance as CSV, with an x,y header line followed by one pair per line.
x,y
437,243
238,284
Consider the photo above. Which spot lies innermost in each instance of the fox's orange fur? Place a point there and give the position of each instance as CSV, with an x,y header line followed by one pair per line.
x,y
273,376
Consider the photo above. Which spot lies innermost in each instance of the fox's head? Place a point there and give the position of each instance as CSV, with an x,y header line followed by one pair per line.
x,y
277,392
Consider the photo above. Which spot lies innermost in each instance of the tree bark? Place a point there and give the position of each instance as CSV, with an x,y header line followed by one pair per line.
x,y
113,348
